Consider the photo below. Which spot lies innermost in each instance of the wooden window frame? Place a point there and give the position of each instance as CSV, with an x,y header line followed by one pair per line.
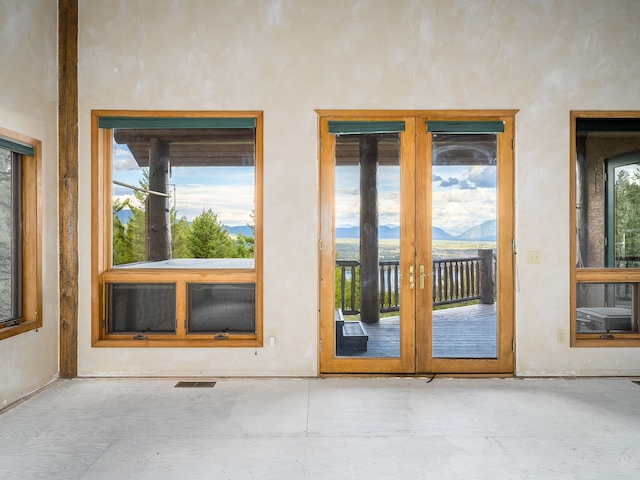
x,y
102,271
31,187
586,275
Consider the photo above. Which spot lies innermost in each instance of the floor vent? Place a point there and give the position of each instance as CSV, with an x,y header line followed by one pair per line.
x,y
195,384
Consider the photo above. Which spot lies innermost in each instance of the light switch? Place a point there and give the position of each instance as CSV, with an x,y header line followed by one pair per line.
x,y
533,257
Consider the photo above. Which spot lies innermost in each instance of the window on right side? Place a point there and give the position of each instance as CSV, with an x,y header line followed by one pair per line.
x,y
605,156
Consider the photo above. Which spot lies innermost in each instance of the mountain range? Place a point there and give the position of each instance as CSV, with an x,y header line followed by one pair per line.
x,y
125,216
486,231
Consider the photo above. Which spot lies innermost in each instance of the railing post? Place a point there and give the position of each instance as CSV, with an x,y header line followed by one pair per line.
x,y
487,287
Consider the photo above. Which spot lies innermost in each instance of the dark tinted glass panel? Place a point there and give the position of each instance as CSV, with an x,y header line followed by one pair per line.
x,y
607,193
606,307
222,307
10,236
141,308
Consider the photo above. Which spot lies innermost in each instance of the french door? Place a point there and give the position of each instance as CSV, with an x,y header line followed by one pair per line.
x,y
416,232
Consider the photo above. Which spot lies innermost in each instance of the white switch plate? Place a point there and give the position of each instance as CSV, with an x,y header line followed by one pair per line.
x,y
533,257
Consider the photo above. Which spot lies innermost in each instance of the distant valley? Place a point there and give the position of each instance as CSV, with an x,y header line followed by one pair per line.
x,y
486,231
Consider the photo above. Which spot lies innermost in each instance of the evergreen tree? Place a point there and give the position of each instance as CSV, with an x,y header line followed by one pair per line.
x,y
208,238
129,241
122,251
180,230
627,214
245,244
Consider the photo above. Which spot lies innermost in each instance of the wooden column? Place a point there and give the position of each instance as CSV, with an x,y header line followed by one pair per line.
x,y
158,221
68,184
369,296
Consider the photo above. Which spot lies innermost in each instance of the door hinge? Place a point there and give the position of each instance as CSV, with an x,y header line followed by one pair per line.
x,y
320,345
513,345
320,244
606,241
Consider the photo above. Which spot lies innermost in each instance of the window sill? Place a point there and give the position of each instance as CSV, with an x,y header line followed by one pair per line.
x,y
193,264
23,327
593,340
122,341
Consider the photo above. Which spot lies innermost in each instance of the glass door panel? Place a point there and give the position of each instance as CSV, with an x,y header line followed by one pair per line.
x,y
413,227
367,245
463,246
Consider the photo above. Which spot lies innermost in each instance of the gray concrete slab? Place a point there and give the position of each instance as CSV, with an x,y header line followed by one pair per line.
x,y
336,428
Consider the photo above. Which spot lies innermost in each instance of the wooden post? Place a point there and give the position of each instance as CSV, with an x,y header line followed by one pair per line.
x,y
487,287
369,296
158,221
68,184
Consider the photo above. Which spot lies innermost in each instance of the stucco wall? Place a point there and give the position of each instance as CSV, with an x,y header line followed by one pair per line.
x,y
28,105
288,58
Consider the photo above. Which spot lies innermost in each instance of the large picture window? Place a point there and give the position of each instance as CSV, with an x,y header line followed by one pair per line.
x,y
177,217
606,218
20,271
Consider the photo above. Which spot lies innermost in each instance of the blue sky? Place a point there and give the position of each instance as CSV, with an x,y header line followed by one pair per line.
x,y
462,196
228,191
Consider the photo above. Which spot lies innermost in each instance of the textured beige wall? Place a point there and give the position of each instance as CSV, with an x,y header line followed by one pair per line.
x,y
28,96
288,58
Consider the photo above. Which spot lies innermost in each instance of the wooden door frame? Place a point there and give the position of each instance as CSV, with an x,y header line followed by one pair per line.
x,y
413,332
328,362
505,361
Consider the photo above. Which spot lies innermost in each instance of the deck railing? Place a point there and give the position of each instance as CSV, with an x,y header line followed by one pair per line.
x,y
455,280
627,262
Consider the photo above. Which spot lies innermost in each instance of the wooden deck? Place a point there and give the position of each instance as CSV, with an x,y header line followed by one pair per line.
x,y
460,332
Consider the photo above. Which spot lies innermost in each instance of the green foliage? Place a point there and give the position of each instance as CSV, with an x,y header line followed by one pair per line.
x,y
129,241
122,245
208,238
180,230
205,237
627,213
245,245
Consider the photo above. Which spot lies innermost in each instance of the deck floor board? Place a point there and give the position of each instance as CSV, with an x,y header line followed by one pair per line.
x,y
458,332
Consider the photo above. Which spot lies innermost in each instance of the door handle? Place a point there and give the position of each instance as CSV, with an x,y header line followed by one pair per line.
x,y
422,275
412,277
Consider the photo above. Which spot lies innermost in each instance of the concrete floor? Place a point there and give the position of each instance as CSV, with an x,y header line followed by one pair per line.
x,y
338,428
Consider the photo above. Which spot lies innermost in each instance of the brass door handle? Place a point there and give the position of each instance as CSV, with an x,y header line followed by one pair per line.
x,y
422,275
412,277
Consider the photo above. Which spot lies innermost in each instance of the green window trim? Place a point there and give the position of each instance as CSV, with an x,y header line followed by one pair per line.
x,y
340,127
465,127
17,147
157,123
